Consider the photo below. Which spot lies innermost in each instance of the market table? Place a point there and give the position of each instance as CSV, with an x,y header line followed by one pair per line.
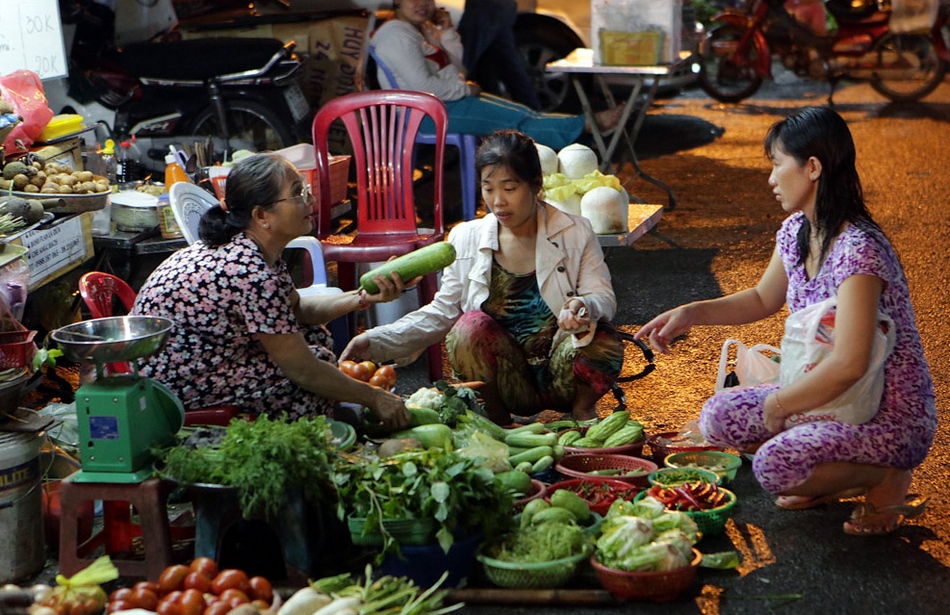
x,y
645,81
641,217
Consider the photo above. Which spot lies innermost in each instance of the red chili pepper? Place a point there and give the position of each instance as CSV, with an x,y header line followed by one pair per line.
x,y
688,498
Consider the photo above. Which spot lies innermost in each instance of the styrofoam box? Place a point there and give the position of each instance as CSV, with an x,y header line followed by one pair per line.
x,y
638,16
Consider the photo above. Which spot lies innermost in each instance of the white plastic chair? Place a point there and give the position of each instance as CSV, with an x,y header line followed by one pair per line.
x,y
189,203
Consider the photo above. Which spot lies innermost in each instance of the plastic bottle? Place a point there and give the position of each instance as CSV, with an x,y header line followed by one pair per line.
x,y
122,163
109,164
129,162
173,172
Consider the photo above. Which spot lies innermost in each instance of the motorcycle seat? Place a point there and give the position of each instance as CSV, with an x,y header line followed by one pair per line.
x,y
198,59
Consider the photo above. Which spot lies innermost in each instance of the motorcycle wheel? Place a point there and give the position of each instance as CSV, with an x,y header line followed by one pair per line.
x,y
723,74
914,54
252,126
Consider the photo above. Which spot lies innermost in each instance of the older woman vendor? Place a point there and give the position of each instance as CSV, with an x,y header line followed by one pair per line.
x,y
242,334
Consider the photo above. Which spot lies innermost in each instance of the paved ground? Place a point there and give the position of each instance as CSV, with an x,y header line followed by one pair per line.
x,y
717,240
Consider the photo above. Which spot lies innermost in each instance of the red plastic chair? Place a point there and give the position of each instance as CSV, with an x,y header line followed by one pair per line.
x,y
382,126
99,291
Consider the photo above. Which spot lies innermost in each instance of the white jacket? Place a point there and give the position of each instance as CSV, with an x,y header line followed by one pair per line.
x,y
569,263
403,49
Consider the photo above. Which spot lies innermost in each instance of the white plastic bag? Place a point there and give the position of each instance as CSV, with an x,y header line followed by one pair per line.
x,y
753,365
809,338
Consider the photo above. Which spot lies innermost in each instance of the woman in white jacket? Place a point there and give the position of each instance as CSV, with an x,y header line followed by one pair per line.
x,y
427,56
527,304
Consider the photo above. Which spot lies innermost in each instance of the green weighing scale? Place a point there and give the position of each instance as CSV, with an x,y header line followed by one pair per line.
x,y
121,416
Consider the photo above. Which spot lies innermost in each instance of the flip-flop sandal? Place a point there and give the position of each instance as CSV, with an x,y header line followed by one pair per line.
x,y
864,511
801,503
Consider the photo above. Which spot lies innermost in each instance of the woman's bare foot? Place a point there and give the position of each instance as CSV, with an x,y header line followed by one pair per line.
x,y
606,120
884,507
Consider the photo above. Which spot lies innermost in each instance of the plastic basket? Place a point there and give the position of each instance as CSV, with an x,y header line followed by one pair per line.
x,y
724,464
669,477
540,575
634,449
599,494
710,522
581,466
424,564
661,446
16,348
405,531
662,586
538,490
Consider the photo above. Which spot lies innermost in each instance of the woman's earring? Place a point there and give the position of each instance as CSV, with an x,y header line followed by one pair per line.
x,y
266,225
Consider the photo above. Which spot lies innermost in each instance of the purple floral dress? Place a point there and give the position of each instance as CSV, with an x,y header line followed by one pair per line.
x,y
219,298
902,431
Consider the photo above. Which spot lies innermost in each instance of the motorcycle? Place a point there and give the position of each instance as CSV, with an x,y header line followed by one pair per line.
x,y
239,93
737,53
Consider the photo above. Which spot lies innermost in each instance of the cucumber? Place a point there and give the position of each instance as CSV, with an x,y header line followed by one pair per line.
x,y
419,262
422,416
524,466
532,455
529,440
542,464
529,428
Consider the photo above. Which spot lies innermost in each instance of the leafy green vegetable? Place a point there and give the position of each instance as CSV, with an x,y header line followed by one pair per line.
x,y
456,401
539,543
458,493
264,459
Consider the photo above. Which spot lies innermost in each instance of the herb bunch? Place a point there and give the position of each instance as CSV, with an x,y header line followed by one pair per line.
x,y
264,459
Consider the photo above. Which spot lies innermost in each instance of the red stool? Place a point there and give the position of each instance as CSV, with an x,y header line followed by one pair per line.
x,y
148,497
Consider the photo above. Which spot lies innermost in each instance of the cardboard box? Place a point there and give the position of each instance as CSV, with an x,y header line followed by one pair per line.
x,y
622,30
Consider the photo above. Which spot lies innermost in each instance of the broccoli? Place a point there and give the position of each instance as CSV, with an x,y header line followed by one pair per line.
x,y
455,402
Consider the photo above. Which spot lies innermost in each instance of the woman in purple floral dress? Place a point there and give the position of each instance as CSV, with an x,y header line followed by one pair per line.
x,y
828,246
243,335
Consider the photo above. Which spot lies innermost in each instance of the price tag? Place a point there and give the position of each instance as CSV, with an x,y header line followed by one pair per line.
x,y
31,38
49,250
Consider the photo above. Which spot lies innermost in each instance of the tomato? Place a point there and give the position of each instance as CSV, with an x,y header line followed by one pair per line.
x,y
199,581
347,368
168,607
261,589
120,605
147,585
89,606
122,593
170,597
370,367
229,579
205,565
379,381
218,607
145,598
173,578
192,602
361,372
389,373
234,596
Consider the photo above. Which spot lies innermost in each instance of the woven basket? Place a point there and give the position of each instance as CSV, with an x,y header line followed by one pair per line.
x,y
405,531
661,586
661,446
724,464
581,466
540,575
710,522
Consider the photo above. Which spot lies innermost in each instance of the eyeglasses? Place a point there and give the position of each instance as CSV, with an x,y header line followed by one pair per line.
x,y
304,197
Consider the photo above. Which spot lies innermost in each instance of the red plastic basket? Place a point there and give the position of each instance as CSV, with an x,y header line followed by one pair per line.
x,y
663,586
599,494
581,466
661,446
16,348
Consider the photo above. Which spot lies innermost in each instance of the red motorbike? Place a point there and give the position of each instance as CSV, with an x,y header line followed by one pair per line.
x,y
737,53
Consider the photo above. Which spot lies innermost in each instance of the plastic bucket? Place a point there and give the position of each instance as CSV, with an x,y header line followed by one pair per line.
x,y
21,507
424,564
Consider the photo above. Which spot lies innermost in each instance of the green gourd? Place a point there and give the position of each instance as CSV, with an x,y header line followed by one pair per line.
x,y
419,262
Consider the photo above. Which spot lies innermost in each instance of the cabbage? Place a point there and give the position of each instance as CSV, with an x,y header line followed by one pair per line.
x,y
492,453
674,520
548,159
621,535
577,160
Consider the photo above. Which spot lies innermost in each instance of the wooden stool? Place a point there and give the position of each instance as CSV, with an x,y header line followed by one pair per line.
x,y
148,497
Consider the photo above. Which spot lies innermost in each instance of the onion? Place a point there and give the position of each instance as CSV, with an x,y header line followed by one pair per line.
x,y
577,160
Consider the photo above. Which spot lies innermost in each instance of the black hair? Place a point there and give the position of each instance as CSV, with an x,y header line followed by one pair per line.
x,y
514,150
822,133
254,181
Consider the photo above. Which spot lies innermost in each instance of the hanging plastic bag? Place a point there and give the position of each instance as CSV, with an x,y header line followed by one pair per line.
x,y
24,91
809,338
754,365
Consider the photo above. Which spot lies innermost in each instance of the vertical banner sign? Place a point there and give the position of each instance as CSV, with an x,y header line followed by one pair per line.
x,y
31,38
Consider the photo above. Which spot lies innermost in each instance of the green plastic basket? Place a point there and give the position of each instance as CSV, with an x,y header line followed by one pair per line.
x,y
710,522
405,531
670,477
724,464
540,575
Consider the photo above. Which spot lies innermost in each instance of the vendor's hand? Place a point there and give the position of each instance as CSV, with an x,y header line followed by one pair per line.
x,y
357,350
442,18
665,328
390,409
773,415
432,33
574,317
390,288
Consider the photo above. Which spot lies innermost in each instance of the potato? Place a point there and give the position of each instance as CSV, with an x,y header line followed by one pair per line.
x,y
20,181
84,176
65,189
102,185
31,188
